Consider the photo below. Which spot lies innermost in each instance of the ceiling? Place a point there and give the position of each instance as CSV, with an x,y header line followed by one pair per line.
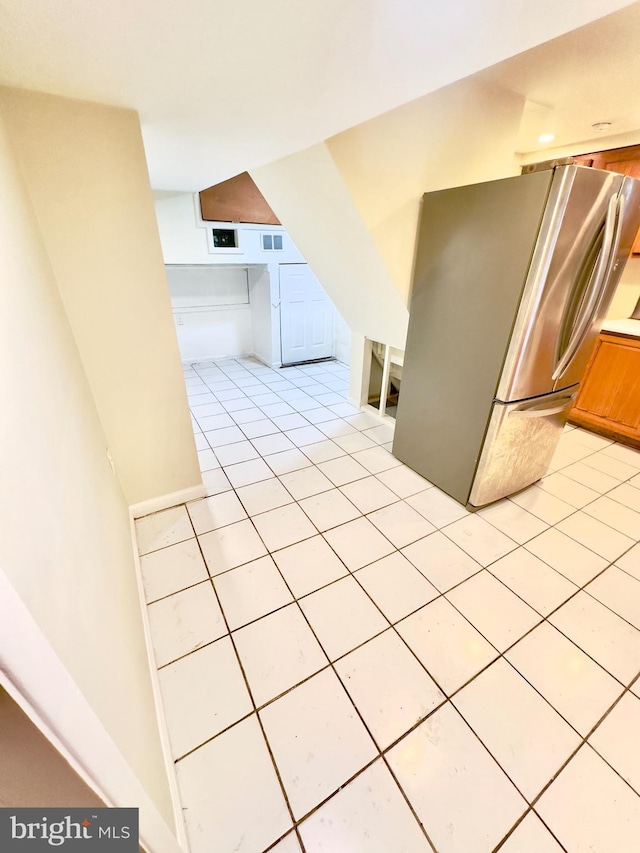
x,y
223,87
586,76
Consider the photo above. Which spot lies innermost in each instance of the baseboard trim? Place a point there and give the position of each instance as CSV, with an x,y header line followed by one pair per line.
x,y
375,412
274,365
167,501
165,743
187,362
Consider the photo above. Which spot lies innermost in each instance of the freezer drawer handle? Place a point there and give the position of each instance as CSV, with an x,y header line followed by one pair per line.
x,y
542,409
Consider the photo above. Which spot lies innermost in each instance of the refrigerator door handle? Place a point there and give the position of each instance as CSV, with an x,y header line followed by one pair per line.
x,y
597,290
543,409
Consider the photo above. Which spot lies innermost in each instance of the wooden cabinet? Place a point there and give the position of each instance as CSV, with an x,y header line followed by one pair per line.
x,y
625,160
609,398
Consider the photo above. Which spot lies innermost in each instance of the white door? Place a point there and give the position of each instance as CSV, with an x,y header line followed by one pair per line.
x,y
306,316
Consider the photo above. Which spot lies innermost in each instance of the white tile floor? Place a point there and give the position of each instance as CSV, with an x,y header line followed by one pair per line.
x,y
350,662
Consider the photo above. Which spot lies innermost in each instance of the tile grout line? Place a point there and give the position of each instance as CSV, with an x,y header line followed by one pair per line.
x,y
397,550
332,667
594,452
573,461
447,698
299,413
500,655
440,594
248,688
443,527
379,753
362,514
521,819
584,738
584,742
339,680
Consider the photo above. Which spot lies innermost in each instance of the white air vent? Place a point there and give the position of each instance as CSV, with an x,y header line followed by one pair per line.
x,y
272,242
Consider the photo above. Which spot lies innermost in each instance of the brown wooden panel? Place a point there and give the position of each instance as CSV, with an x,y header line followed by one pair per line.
x,y
611,158
601,393
625,167
609,399
236,200
625,407
617,432
626,161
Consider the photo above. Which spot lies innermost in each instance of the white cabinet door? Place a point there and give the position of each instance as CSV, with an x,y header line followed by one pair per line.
x,y
306,316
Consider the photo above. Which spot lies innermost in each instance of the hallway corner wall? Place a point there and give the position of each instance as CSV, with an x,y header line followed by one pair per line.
x,y
84,169
66,544
313,203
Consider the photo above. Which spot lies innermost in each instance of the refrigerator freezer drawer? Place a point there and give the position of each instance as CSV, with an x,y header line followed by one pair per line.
x,y
519,444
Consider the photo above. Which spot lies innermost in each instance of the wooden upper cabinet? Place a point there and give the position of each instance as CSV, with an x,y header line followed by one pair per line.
x,y
236,200
626,161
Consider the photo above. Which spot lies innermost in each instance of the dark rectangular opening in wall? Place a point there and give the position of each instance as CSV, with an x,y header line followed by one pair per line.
x,y
385,378
224,238
375,376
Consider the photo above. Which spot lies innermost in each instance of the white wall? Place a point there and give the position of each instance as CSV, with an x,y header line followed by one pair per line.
x,y
265,315
65,544
185,239
211,310
85,172
222,333
183,235
342,337
241,330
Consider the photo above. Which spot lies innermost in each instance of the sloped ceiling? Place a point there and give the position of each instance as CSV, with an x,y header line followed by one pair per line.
x,y
223,87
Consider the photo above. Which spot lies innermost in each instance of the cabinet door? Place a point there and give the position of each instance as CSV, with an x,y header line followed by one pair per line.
x,y
610,393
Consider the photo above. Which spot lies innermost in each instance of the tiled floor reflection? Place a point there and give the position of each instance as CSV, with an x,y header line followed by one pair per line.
x,y
352,663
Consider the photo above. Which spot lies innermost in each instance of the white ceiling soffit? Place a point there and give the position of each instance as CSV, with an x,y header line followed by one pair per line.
x,y
222,87
589,75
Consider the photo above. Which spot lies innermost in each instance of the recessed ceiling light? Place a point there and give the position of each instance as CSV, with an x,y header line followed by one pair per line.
x,y
546,137
601,126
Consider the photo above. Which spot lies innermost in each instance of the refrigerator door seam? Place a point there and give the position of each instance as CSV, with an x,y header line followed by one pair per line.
x,y
543,253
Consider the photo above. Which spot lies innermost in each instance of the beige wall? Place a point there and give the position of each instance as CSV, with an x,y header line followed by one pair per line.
x,y
310,197
464,133
352,204
628,292
65,543
84,169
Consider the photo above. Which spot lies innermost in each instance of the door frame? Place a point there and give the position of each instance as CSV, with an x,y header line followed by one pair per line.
x,y
37,680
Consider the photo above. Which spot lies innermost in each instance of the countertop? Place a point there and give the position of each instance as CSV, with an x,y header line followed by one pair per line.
x,y
622,327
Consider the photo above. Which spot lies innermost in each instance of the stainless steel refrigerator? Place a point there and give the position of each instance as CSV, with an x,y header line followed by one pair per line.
x,y
512,281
